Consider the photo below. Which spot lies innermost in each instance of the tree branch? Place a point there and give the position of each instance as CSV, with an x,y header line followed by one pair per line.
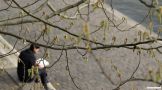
x,y
132,76
65,9
128,46
147,5
50,24
68,69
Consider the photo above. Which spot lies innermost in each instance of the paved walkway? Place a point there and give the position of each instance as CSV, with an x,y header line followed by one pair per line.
x,y
90,78
6,82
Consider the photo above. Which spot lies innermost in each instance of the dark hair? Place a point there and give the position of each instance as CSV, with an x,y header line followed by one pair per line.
x,y
32,46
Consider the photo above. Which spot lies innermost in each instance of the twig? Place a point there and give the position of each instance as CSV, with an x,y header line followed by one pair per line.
x,y
68,69
147,5
132,76
102,69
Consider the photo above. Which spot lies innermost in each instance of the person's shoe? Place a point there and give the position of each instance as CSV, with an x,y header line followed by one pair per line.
x,y
37,81
49,86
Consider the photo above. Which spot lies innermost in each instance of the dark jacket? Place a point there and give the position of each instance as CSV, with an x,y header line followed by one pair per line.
x,y
27,60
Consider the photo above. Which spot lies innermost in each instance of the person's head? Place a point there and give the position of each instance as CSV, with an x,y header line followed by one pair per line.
x,y
35,48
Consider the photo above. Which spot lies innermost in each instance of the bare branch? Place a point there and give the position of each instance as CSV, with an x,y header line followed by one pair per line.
x,y
68,68
102,69
132,76
147,5
65,9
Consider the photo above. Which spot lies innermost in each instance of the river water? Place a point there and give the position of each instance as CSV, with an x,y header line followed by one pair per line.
x,y
135,10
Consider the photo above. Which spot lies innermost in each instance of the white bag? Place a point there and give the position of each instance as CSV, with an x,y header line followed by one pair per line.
x,y
42,63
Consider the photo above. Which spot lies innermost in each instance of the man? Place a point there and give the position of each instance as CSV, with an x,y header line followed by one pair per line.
x,y
26,65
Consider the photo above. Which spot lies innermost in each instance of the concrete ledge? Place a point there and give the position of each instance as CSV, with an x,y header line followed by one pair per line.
x,y
11,65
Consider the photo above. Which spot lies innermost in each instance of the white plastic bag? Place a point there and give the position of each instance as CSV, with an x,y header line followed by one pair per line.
x,y
42,63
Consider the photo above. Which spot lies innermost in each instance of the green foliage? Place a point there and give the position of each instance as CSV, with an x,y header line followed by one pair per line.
x,y
145,35
33,72
85,59
104,24
78,40
46,30
86,31
159,14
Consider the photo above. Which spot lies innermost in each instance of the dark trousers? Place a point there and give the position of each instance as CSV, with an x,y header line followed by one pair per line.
x,y
43,76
